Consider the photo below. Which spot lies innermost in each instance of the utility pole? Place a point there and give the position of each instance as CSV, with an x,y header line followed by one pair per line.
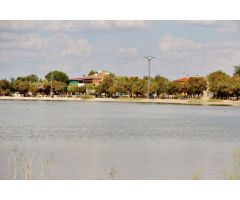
x,y
149,58
51,92
30,84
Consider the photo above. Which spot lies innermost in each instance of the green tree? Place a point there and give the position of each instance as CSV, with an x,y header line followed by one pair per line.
x,y
36,87
57,76
91,88
32,78
119,86
159,85
219,84
105,86
236,71
4,87
82,89
172,87
235,86
196,86
129,82
21,86
59,87
92,72
46,87
73,89
140,88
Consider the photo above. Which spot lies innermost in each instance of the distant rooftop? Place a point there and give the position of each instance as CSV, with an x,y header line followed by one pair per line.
x,y
98,75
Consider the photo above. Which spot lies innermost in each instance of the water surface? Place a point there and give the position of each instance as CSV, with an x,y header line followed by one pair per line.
x,y
94,140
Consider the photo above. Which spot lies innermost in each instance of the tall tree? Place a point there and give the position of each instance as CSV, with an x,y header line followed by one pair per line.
x,y
140,88
219,84
235,86
57,76
196,86
236,71
32,78
159,85
21,86
4,87
92,72
59,87
105,86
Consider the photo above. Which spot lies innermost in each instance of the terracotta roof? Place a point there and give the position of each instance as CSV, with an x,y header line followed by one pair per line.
x,y
183,79
77,79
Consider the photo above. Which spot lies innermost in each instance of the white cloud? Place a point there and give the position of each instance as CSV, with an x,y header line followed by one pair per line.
x,y
70,25
15,41
76,47
192,57
226,26
34,25
175,43
131,24
208,23
99,24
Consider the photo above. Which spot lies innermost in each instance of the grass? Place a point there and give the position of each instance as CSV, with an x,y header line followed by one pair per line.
x,y
129,99
194,101
87,96
29,166
113,172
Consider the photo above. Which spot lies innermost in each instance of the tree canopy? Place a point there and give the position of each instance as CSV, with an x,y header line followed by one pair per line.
x,y
32,78
21,86
236,71
219,83
196,86
4,87
57,76
92,72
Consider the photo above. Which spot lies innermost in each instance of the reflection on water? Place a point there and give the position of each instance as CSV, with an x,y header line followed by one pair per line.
x,y
90,140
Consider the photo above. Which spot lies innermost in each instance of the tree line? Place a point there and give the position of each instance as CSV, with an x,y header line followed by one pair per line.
x,y
220,84
32,84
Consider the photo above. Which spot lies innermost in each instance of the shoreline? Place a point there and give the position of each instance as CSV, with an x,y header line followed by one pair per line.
x,y
127,100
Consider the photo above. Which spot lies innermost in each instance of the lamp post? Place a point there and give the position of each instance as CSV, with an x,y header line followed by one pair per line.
x,y
51,91
148,58
30,85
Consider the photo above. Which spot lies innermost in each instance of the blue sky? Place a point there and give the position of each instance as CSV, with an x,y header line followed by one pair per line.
x,y
76,47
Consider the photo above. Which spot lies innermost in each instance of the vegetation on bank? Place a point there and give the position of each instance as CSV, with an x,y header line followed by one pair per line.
x,y
220,84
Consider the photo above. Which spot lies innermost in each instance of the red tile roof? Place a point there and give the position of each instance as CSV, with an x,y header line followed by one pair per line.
x,y
183,79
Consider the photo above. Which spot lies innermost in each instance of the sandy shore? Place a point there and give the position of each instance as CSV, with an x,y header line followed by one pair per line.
x,y
158,101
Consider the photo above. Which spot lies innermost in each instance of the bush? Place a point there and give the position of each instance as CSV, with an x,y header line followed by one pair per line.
x,y
179,96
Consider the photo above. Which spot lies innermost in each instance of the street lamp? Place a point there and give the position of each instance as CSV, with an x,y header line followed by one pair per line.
x,y
149,58
51,91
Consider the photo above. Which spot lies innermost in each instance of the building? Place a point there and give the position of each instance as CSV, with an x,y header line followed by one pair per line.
x,y
182,80
76,81
94,79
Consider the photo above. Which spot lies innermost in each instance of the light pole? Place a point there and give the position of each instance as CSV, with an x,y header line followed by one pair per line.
x,y
30,84
149,58
51,91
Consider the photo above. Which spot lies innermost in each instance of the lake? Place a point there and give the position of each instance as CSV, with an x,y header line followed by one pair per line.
x,y
97,140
